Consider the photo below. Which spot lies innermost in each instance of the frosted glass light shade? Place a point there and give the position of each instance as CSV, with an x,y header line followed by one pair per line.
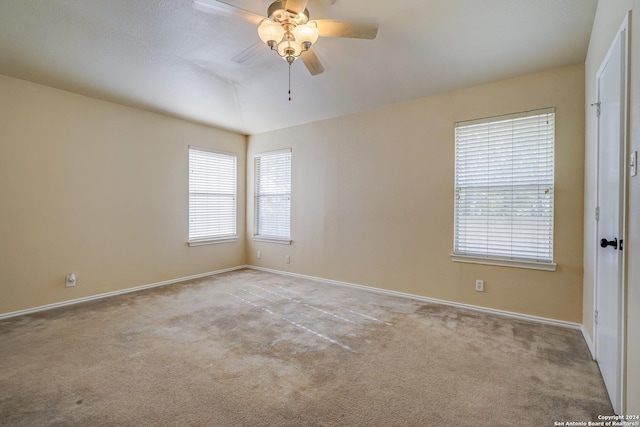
x,y
269,31
297,48
306,33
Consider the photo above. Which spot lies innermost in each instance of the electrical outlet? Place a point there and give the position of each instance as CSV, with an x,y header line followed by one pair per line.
x,y
287,259
480,285
71,280
259,255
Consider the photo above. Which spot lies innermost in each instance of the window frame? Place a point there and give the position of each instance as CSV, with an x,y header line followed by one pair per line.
x,y
270,238
492,256
232,236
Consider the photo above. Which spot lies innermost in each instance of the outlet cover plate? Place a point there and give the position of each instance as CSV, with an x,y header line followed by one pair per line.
x,y
70,280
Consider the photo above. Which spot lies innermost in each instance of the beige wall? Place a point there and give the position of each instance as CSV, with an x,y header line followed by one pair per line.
x,y
98,189
609,17
372,198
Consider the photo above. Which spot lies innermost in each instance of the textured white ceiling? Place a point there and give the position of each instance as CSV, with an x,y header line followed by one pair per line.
x,y
166,56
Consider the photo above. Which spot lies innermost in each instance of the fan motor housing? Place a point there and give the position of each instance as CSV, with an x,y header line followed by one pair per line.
x,y
280,14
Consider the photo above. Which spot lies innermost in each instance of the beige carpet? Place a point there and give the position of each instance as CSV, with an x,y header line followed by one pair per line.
x,y
250,348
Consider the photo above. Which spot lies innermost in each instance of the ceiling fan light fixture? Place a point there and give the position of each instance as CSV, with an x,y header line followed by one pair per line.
x,y
288,32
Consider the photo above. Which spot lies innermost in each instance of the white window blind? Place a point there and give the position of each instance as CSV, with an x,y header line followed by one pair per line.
x,y
212,196
504,186
273,195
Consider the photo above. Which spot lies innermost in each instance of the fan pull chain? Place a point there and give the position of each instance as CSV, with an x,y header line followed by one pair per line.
x,y
289,82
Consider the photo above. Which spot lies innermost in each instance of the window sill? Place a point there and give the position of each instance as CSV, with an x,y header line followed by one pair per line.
x,y
213,241
550,266
276,240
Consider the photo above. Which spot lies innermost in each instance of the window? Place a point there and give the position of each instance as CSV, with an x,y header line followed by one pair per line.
x,y
273,196
212,197
503,212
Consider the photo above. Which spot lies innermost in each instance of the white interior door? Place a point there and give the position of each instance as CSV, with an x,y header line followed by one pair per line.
x,y
609,274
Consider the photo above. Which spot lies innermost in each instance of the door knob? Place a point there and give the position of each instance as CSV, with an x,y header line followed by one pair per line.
x,y
604,243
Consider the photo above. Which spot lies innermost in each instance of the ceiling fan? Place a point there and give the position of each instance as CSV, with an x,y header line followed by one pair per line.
x,y
288,30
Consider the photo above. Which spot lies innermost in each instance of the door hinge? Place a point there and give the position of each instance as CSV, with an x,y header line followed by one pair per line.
x,y
595,317
597,105
597,213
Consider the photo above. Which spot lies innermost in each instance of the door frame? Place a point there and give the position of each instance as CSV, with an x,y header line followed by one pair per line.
x,y
623,33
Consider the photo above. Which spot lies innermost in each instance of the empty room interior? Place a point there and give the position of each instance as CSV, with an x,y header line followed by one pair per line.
x,y
322,212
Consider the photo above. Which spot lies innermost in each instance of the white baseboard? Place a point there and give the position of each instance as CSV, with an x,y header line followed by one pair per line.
x,y
120,292
587,339
510,314
514,315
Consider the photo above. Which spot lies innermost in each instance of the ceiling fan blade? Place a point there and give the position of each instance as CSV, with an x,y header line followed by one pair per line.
x,y
347,29
216,6
297,6
312,62
249,52
322,7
